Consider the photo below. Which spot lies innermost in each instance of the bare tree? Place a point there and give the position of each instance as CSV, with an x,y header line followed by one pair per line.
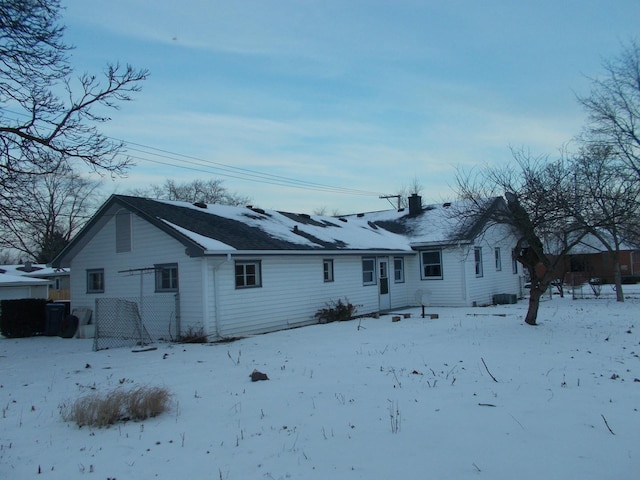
x,y
537,192
607,205
44,221
613,106
324,211
48,118
402,195
206,191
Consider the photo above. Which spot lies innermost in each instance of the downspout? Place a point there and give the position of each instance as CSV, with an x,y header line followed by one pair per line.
x,y
216,267
463,272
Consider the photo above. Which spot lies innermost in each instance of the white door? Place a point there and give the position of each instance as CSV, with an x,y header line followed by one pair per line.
x,y
383,284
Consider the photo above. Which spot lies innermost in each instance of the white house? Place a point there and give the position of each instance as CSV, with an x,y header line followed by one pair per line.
x,y
232,271
32,280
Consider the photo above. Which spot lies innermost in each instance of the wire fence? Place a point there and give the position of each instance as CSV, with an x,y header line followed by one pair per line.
x,y
128,322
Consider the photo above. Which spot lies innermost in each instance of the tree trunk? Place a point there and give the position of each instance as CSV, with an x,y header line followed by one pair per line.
x,y
534,304
617,276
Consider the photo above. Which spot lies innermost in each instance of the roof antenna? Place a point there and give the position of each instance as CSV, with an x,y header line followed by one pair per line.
x,y
388,197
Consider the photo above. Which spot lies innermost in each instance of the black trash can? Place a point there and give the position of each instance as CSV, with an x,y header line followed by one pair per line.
x,y
54,313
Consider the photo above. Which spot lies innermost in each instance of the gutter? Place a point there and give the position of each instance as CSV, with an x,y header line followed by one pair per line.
x,y
318,252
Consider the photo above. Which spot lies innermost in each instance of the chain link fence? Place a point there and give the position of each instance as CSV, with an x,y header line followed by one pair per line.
x,y
129,322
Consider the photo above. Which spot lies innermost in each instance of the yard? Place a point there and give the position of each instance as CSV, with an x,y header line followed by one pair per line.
x,y
475,393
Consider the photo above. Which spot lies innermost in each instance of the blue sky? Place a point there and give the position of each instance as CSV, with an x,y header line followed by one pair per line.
x,y
363,96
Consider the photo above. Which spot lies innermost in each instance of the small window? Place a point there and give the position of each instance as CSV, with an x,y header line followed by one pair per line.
x,y
514,262
477,253
167,277
369,271
123,231
95,280
248,274
431,264
327,268
498,258
398,270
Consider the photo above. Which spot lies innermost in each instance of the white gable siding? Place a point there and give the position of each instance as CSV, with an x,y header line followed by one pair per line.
x,y
482,289
450,290
293,290
459,286
149,246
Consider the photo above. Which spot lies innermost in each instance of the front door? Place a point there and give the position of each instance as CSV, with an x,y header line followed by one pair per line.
x,y
383,284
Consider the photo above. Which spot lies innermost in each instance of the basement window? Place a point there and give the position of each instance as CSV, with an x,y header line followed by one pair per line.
x,y
431,264
398,270
248,274
167,277
95,280
498,258
368,271
477,254
327,268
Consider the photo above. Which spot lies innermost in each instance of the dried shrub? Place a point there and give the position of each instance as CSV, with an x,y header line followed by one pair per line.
x,y
119,405
336,311
193,335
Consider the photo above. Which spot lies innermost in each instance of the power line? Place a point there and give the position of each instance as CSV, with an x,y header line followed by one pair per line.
x,y
187,162
209,166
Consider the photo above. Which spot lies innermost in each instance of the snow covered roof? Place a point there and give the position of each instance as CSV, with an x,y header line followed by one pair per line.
x,y
10,280
217,229
590,244
35,270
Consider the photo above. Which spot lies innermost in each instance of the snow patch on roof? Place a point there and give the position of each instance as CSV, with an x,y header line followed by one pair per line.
x,y
356,233
205,242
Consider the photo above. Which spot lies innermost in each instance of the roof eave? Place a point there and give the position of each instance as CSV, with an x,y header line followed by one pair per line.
x,y
315,252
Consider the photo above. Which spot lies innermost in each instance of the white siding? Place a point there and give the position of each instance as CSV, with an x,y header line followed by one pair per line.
x,y
149,246
493,282
451,289
29,291
292,291
459,285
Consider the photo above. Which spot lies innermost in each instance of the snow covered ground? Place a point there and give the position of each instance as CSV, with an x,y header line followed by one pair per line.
x,y
365,399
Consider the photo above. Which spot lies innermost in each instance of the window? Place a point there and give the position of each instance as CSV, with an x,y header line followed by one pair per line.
x,y
123,231
398,270
327,267
369,271
498,258
514,262
95,280
431,264
477,253
167,277
248,274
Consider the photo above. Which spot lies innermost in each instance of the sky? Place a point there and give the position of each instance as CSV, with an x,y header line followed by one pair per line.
x,y
305,105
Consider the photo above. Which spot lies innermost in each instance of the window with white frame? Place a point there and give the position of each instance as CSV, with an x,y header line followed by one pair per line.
x,y
369,271
514,262
95,280
398,270
327,269
248,274
498,258
477,254
167,277
431,261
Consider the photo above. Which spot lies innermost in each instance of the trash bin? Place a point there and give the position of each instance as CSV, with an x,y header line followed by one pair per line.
x,y
54,314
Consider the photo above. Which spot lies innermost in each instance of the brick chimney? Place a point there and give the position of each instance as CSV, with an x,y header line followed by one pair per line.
x,y
415,204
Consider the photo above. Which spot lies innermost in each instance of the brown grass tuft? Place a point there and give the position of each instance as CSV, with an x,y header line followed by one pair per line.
x,y
119,405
